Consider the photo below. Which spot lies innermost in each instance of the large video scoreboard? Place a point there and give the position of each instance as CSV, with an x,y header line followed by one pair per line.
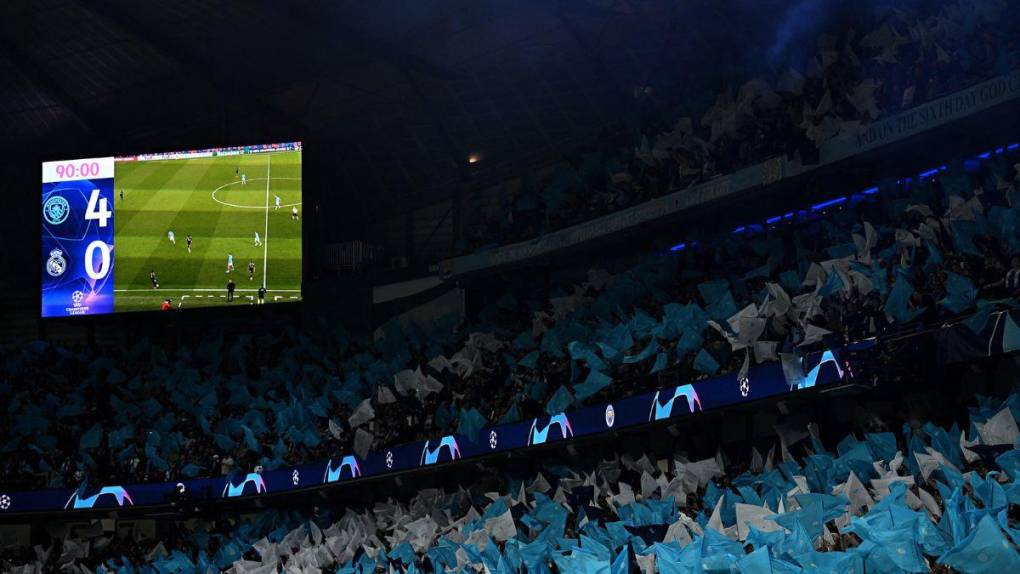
x,y
172,230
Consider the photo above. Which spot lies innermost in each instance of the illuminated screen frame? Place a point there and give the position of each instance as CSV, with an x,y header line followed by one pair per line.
x,y
177,230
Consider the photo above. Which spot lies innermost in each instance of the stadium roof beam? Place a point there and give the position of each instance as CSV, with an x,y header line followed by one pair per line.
x,y
172,49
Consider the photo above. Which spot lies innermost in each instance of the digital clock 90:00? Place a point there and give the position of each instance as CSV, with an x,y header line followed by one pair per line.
x,y
82,170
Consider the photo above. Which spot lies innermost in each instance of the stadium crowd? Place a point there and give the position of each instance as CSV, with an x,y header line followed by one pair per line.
x,y
892,59
895,495
924,253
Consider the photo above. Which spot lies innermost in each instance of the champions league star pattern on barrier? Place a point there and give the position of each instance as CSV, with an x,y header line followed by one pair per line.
x,y
760,382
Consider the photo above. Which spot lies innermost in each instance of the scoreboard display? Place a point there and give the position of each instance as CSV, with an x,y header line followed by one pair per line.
x,y
174,230
77,214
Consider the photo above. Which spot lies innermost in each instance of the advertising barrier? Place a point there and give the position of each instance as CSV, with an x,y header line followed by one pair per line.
x,y
763,381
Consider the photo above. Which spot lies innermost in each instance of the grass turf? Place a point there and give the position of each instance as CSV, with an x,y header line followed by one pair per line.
x,y
204,197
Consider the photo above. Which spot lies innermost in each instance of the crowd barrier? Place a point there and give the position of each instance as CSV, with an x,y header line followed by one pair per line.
x,y
763,381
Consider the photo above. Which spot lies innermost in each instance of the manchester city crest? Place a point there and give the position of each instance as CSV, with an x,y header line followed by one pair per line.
x,y
55,210
56,264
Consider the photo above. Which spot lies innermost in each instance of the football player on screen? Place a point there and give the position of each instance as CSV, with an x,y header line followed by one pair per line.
x,y
230,262
152,277
188,239
293,213
258,240
276,198
170,236
251,269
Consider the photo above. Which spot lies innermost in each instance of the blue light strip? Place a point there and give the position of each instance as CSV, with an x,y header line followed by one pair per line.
x,y
838,200
827,204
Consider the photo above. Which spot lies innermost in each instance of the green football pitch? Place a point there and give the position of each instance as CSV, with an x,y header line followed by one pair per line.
x,y
204,197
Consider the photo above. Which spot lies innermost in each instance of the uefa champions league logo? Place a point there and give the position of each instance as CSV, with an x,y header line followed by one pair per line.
x,y
55,210
389,459
745,386
610,416
295,477
56,264
5,502
77,297
493,439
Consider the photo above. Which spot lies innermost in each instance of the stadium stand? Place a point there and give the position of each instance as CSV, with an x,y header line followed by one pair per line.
x,y
915,467
861,71
898,493
836,275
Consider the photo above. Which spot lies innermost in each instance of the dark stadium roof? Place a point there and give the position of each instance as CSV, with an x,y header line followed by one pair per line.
x,y
407,90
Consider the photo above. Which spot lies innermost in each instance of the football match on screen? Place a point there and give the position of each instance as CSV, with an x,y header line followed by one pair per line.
x,y
172,230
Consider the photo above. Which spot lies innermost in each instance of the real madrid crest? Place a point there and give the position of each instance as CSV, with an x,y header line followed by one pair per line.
x,y
56,264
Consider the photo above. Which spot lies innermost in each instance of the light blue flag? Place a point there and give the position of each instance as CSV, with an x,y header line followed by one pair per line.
x,y
689,341
960,293
712,291
723,308
897,304
594,383
513,414
833,285
842,562
559,401
470,422
530,360
648,351
582,352
896,544
989,492
705,363
92,437
621,564
1009,461
810,518
790,281
984,551
661,362
403,552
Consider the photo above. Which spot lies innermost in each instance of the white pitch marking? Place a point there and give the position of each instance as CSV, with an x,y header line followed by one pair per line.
x,y
228,184
265,241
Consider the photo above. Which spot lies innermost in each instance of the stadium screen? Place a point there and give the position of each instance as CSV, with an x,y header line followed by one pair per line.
x,y
172,230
